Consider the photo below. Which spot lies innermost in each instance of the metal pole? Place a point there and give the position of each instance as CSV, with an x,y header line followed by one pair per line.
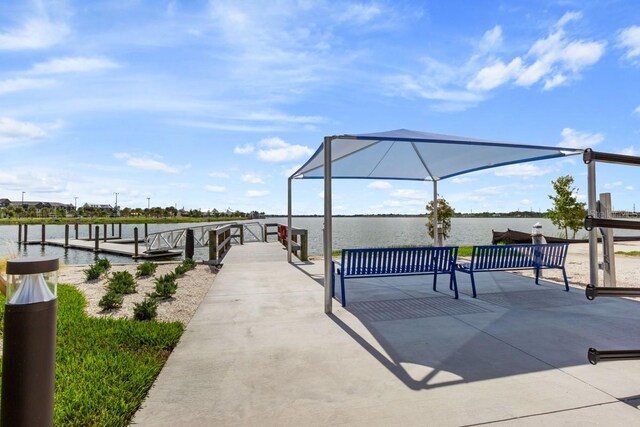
x,y
289,220
435,213
328,243
593,237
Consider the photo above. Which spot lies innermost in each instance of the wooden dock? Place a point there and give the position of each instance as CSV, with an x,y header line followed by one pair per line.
x,y
125,247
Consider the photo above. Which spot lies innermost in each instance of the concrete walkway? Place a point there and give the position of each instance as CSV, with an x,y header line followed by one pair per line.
x,y
260,351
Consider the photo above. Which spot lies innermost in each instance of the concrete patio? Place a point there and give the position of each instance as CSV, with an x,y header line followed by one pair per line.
x,y
260,351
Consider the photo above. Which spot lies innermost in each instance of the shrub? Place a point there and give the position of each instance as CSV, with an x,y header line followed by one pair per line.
x,y
166,286
103,263
122,282
111,300
146,310
189,263
93,272
147,268
180,270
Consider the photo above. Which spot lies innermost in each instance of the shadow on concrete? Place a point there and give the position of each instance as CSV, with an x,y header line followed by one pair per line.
x,y
428,339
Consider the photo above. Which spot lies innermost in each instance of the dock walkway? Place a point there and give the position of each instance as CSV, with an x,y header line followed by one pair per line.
x,y
260,351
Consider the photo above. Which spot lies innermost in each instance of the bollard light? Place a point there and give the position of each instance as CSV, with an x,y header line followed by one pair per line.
x,y
28,364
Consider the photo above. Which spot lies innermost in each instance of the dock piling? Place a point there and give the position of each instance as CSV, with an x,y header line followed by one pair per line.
x,y
135,242
66,235
75,226
26,230
19,233
105,232
189,244
113,230
146,232
120,231
97,247
89,232
44,238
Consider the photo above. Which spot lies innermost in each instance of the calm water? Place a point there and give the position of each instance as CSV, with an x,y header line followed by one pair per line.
x,y
347,232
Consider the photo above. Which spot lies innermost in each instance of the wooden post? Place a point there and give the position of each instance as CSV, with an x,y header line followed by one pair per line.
x,y
26,238
90,232
19,233
105,232
43,240
113,230
66,235
75,226
212,245
135,242
304,245
146,232
97,246
241,234
264,232
189,244
120,231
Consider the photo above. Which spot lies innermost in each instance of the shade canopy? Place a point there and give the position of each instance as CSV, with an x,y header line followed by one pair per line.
x,y
422,156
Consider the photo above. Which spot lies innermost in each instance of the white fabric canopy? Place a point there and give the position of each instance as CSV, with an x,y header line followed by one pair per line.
x,y
422,156
408,155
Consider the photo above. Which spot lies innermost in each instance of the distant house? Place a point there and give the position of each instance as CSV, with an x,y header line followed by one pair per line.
x,y
104,208
68,207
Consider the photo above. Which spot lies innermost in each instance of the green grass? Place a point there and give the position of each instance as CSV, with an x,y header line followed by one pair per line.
x,y
104,367
630,253
118,220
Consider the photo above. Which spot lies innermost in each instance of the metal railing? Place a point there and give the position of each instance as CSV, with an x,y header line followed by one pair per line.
x,y
176,238
299,238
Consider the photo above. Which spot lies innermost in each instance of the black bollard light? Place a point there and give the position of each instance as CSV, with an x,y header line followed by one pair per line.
x,y
28,364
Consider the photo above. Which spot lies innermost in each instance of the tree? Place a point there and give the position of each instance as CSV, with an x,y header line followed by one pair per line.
x,y
445,212
567,213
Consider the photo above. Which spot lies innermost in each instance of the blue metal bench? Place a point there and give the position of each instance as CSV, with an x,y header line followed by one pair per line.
x,y
398,262
516,257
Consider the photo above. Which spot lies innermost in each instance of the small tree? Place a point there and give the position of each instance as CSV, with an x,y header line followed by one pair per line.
x,y
445,212
567,213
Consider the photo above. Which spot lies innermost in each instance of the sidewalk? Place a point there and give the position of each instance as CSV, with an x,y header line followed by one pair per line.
x,y
260,351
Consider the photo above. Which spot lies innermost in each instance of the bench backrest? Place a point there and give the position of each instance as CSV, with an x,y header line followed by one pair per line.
x,y
518,256
357,262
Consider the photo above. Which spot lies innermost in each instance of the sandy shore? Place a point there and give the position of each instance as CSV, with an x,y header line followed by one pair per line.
x,y
192,287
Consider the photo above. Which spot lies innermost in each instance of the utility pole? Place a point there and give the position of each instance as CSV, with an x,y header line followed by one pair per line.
x,y
116,203
75,203
148,202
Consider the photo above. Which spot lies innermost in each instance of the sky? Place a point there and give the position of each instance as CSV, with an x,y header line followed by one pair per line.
x,y
213,104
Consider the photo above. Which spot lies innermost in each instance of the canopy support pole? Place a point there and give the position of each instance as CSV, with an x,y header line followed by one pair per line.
x,y
289,220
592,210
328,244
436,241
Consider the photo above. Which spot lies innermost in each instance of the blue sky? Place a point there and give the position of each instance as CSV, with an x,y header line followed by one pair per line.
x,y
213,104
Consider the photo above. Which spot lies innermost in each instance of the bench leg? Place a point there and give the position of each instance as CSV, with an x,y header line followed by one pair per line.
x,y
453,283
566,282
343,296
333,279
435,280
473,285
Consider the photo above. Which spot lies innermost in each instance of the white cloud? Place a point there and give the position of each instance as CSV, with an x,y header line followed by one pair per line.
x,y
409,194
637,110
215,188
403,203
495,75
572,138
629,38
20,84
630,151
380,185
526,202
462,179
282,118
611,185
491,39
12,130
522,170
290,171
35,33
257,193
145,163
629,187
360,13
252,178
244,149
554,60
72,65
221,175
278,151
31,181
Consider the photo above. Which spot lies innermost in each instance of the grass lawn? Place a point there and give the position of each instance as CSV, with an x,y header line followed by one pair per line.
x,y
104,367
629,253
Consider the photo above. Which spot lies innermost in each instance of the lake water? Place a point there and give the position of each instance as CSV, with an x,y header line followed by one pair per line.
x,y
350,232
